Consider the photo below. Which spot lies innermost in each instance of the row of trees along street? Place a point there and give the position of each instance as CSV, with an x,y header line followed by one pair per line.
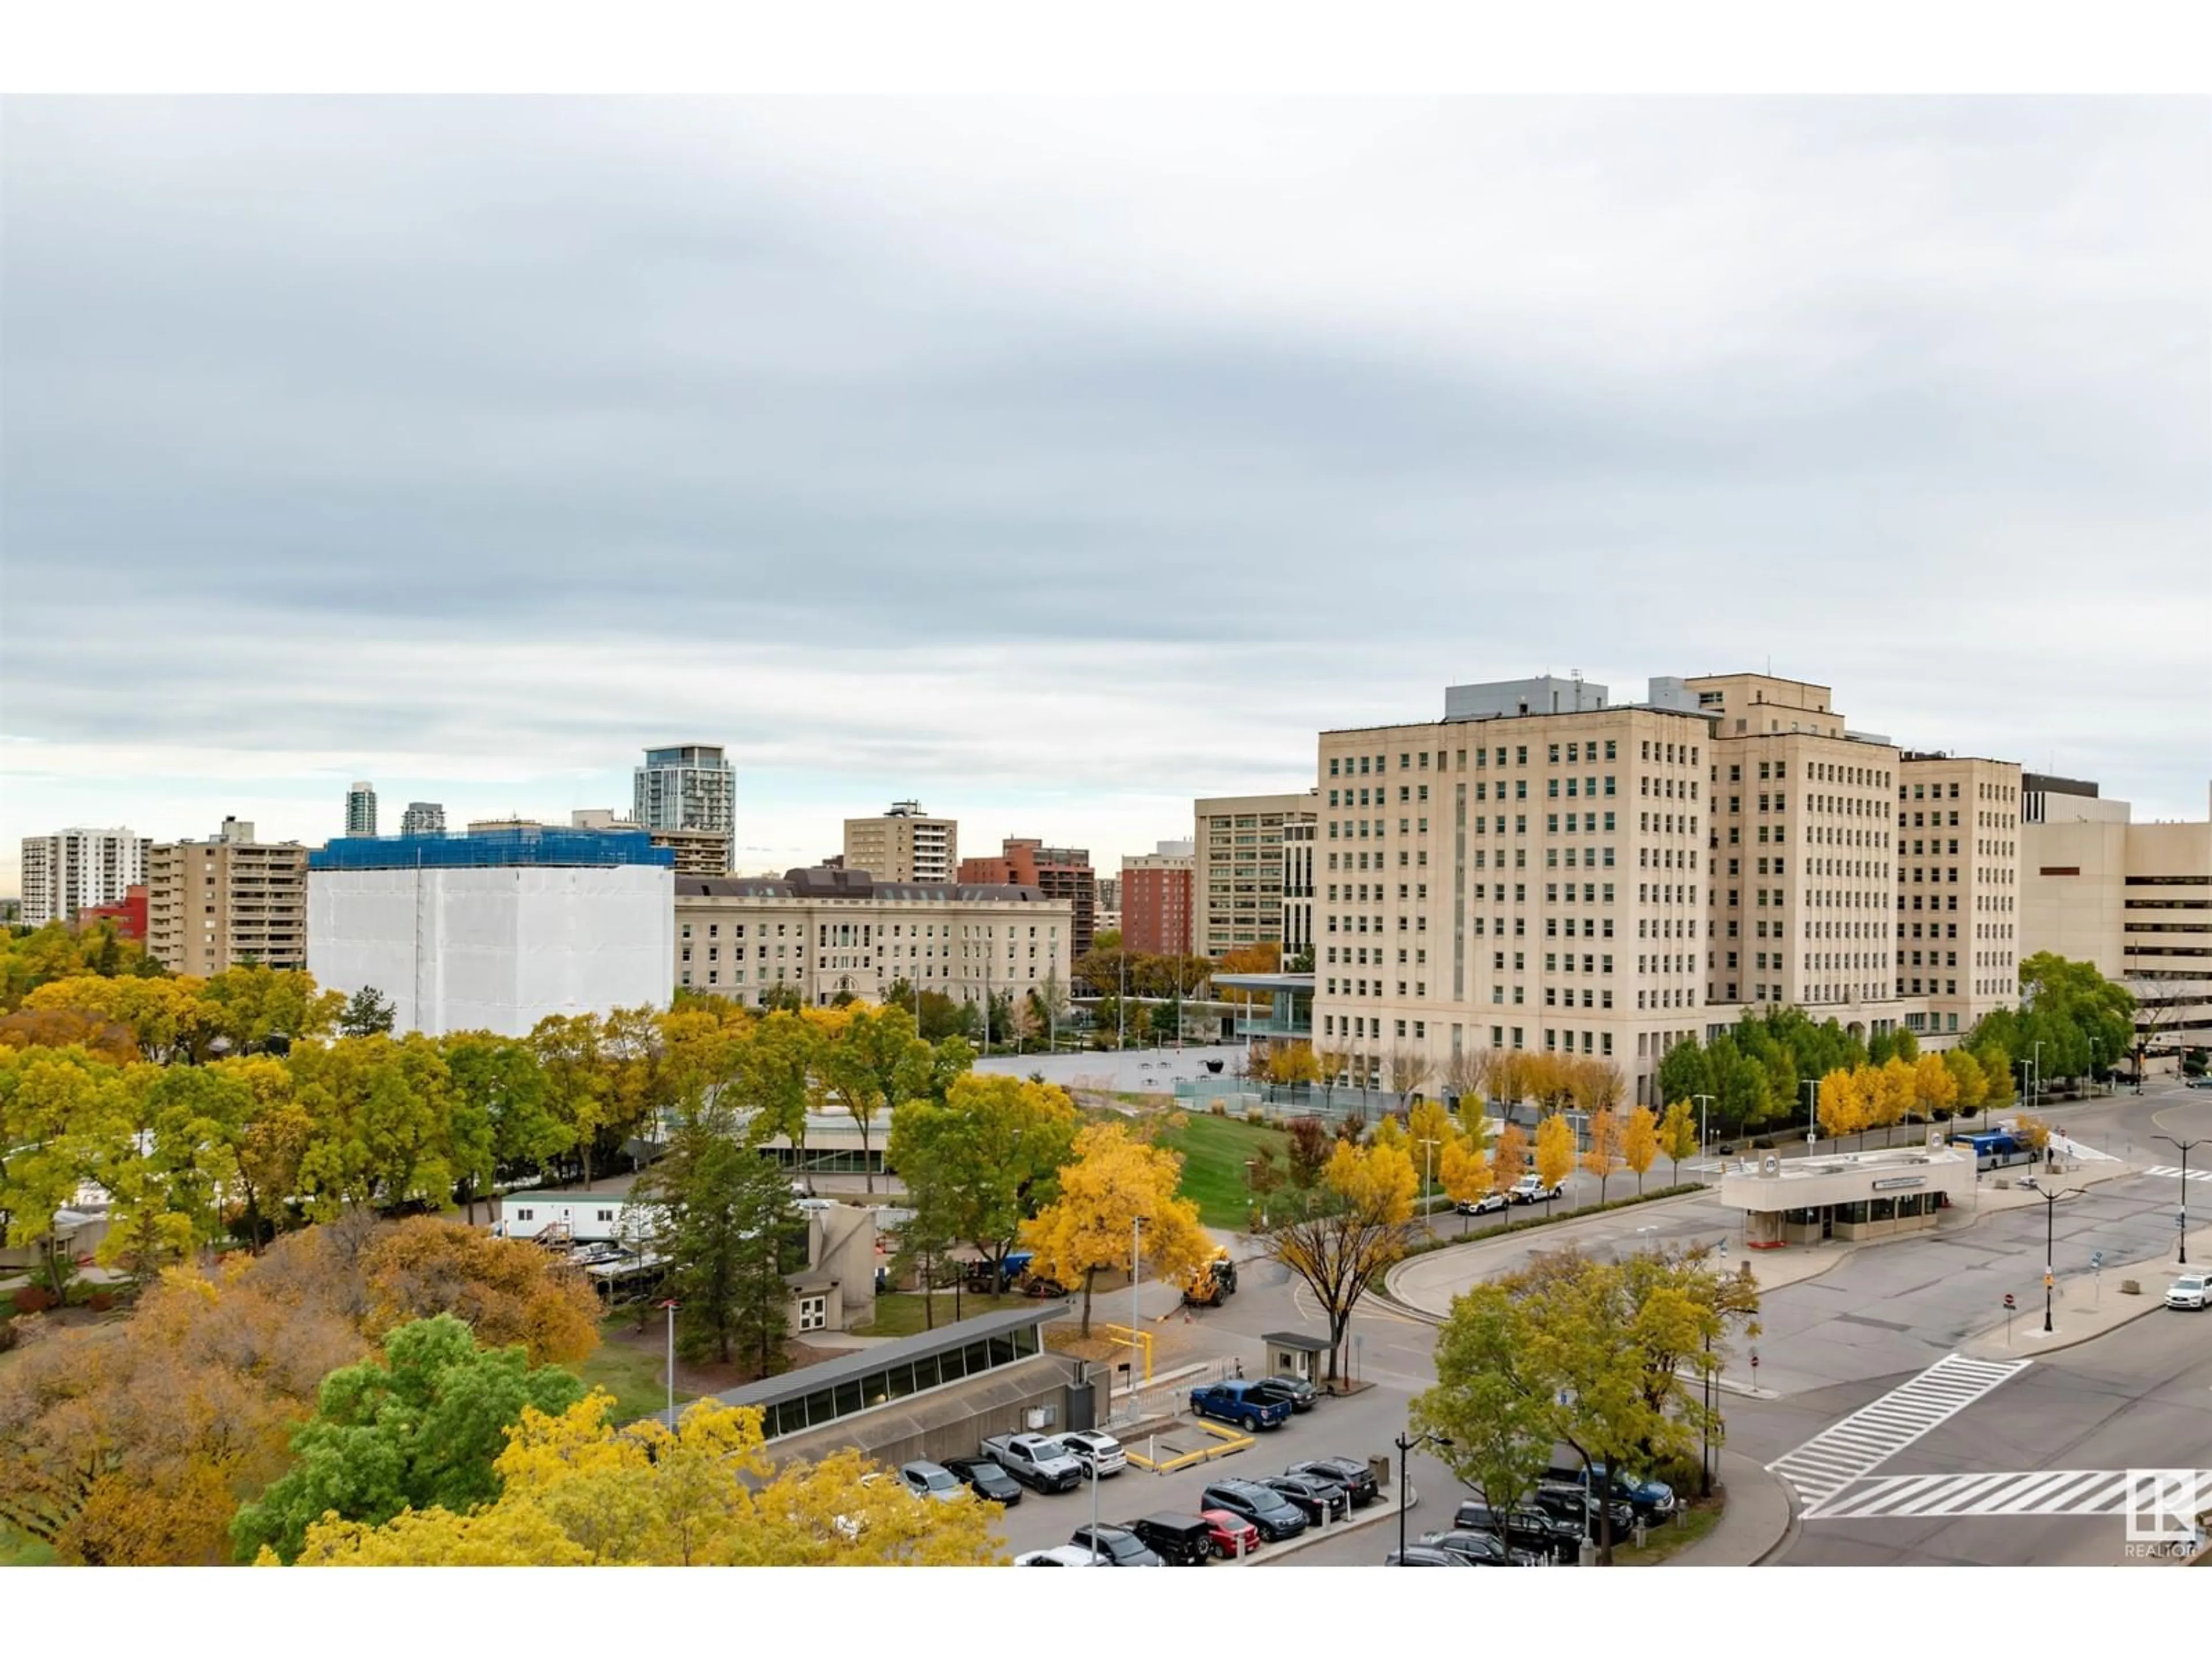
x,y
2073,1023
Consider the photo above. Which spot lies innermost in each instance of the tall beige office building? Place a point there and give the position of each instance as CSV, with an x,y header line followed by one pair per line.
x,y
1252,881
2133,898
1545,869
227,901
903,844
75,870
824,933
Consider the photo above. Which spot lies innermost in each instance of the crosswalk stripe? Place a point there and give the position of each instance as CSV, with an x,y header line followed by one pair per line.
x,y
2013,1492
1846,1450
2169,1169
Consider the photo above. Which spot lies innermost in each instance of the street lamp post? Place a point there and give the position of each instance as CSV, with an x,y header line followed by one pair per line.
x,y
2182,1222
1701,1102
2050,1218
1811,1108
1428,1215
2038,1076
1136,1264
671,1305
1405,1443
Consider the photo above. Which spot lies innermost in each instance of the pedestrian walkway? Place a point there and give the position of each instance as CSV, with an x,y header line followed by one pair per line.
x,y
2169,1169
2037,1492
2067,1146
1873,1434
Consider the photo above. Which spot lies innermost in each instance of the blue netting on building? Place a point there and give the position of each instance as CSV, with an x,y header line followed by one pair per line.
x,y
491,849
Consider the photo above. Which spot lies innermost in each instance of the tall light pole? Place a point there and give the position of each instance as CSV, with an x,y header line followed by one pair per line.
x,y
1701,1102
1404,1444
1811,1108
1428,1150
2182,1220
671,1305
2049,1216
1136,1264
1122,1009
2038,1076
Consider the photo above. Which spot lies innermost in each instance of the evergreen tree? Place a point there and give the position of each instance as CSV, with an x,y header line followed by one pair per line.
x,y
727,1215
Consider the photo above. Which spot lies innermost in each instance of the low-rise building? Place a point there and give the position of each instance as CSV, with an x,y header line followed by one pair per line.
x,y
127,917
1866,1194
1057,872
832,933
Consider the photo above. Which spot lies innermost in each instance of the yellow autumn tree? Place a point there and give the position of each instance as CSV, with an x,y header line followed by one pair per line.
x,y
1639,1144
1935,1088
1508,1161
1555,1150
1340,1234
1843,1107
576,1492
1114,1182
1601,1157
1892,1094
1465,1170
1678,1135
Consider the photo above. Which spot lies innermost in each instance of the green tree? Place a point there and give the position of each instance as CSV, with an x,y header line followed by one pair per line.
x,y
421,1426
727,1216
501,1116
367,1012
985,1160
1488,1400
381,1121
873,1059
256,1008
1684,1072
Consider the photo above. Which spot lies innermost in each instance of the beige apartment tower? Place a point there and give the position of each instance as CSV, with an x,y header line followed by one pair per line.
x,y
1252,880
1547,870
226,902
903,845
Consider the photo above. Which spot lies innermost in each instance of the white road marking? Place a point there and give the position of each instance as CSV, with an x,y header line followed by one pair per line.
x,y
2169,1169
2038,1491
1845,1451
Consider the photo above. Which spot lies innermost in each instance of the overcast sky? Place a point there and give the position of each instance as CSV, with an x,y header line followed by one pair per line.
x,y
1056,463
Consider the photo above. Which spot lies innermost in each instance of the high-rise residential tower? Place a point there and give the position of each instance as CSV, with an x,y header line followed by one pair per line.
x,y
1156,908
1253,879
75,870
423,817
688,786
226,902
361,809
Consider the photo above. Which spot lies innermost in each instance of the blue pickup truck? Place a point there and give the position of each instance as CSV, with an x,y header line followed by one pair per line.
x,y
1235,1402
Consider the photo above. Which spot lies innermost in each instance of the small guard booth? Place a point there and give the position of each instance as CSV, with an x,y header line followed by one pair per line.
x,y
1870,1194
1293,1353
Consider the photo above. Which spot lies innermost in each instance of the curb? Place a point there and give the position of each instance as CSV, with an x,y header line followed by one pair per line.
x,y
1736,1477
1382,1509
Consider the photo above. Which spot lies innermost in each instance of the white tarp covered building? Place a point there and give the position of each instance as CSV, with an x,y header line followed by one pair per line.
x,y
494,932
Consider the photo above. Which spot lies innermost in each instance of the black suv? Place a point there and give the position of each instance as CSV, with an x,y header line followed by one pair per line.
x,y
1349,1473
1296,1390
1565,1504
1115,1546
1318,1498
1275,1515
1481,1549
986,1479
1523,1528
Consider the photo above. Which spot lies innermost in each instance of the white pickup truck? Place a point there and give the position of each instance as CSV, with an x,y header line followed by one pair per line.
x,y
1038,1461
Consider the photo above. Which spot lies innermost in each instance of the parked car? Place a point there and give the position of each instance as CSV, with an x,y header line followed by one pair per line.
x,y
1096,1450
1487,1204
2203,1081
1059,1555
986,1479
2190,1291
928,1479
1115,1545
1181,1541
1420,1555
1482,1549
1566,1502
1035,1460
1523,1528
1233,1536
977,1276
1349,1473
1653,1500
1297,1390
1235,1402
1531,1189
1317,1499
1275,1515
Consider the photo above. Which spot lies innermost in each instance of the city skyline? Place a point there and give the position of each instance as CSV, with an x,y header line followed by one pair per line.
x,y
537,507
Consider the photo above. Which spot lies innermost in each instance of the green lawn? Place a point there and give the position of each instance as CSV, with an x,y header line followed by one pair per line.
x,y
1214,1151
17,1550
1698,1518
635,1375
900,1313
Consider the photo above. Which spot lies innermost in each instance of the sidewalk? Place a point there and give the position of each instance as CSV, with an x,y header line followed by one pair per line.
x,y
1753,1524
2082,1312
1424,1285
1384,1508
